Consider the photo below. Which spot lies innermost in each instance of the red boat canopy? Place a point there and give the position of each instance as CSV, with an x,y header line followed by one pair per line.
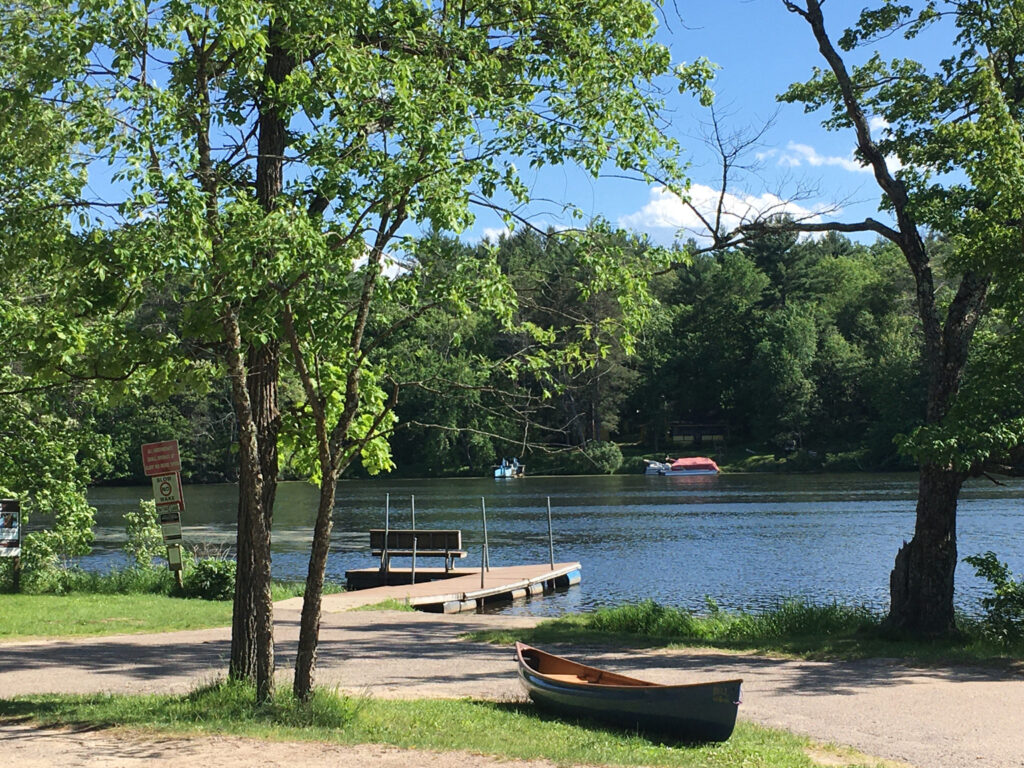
x,y
694,463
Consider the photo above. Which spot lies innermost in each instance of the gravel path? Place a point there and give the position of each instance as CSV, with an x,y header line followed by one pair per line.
x,y
924,717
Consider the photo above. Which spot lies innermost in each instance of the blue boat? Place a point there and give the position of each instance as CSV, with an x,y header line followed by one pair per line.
x,y
510,469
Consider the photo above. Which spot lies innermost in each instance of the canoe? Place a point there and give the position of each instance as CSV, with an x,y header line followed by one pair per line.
x,y
693,712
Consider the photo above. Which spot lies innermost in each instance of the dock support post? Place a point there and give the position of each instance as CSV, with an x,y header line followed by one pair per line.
x,y
487,548
415,538
387,526
551,537
484,559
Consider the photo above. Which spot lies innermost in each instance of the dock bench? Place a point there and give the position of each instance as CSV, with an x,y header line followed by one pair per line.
x,y
427,543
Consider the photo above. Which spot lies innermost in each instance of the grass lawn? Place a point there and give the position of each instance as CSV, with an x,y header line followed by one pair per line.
x,y
505,730
23,617
95,613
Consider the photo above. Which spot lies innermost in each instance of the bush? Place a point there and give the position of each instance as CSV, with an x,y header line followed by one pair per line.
x,y
49,555
598,457
1004,610
145,542
210,579
647,618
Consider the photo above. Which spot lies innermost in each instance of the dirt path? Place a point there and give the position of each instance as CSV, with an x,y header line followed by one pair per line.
x,y
929,718
26,746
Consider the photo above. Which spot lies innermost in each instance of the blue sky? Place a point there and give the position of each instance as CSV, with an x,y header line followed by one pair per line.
x,y
760,48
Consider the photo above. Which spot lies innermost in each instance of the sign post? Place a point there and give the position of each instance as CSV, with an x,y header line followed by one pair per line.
x,y
10,536
162,462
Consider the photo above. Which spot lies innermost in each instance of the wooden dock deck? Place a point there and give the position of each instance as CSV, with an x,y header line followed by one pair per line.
x,y
460,591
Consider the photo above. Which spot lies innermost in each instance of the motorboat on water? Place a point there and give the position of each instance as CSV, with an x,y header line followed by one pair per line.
x,y
694,465
509,469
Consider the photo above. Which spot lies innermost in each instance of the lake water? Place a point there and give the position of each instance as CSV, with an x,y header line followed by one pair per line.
x,y
745,540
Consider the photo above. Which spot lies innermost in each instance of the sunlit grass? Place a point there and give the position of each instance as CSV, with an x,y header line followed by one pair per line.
x,y
30,616
391,604
78,614
504,730
792,628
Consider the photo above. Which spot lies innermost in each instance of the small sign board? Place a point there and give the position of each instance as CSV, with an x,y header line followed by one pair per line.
x,y
167,490
170,526
174,557
10,528
161,458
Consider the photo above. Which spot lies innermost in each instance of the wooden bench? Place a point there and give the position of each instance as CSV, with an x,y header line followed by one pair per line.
x,y
422,543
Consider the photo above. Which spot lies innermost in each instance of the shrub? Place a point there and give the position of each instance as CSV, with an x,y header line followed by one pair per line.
x,y
49,555
210,579
647,618
597,457
1004,609
145,541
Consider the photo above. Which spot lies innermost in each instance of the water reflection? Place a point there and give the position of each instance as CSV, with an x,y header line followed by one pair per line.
x,y
745,540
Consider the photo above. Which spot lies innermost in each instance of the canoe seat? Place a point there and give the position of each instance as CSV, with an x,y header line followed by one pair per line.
x,y
418,543
565,678
583,677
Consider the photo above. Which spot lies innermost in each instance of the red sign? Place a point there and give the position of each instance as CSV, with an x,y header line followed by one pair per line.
x,y
161,458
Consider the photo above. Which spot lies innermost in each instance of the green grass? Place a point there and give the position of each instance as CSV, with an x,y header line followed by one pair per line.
x,y
791,629
505,730
79,614
391,604
30,616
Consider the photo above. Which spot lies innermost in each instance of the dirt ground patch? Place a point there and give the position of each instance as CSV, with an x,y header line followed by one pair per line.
x,y
27,746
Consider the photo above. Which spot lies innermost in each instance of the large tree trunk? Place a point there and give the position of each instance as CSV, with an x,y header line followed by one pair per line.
x,y
252,646
921,582
252,641
253,620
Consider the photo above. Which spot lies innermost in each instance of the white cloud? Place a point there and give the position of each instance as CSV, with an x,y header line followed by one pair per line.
x,y
665,214
878,123
391,266
798,154
494,234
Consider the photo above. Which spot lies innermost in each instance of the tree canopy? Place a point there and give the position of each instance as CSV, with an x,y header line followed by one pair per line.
x,y
261,166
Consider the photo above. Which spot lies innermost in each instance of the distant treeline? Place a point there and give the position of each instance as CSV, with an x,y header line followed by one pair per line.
x,y
806,348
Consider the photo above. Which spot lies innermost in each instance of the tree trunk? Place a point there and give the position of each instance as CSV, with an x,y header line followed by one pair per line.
x,y
243,620
252,641
334,458
309,628
921,582
252,649
252,646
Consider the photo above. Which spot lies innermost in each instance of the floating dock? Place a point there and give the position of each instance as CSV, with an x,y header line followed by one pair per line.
x,y
454,591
